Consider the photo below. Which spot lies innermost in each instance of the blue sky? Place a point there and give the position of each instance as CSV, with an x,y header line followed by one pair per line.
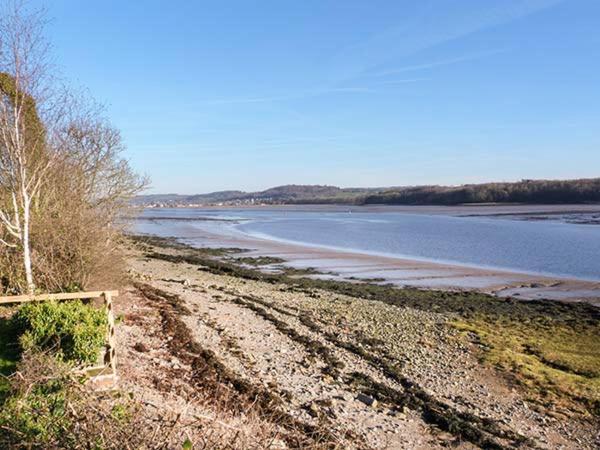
x,y
214,95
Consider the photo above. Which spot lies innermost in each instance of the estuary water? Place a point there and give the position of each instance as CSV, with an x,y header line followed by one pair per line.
x,y
542,247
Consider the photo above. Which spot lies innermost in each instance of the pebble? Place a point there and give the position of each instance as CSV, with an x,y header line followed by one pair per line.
x,y
366,399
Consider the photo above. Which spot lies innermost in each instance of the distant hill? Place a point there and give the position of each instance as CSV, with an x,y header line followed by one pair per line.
x,y
525,191
221,196
276,195
157,198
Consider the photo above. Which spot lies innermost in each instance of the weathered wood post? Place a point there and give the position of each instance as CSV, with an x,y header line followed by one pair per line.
x,y
110,358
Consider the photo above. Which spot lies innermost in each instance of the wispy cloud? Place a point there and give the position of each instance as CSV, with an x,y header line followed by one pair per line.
x,y
297,96
236,100
430,24
435,64
403,81
344,89
303,140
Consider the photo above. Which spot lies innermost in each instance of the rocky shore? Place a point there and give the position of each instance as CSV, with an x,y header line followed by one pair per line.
x,y
323,365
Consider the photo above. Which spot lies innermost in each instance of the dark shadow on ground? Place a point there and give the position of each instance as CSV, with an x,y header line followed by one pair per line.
x,y
9,352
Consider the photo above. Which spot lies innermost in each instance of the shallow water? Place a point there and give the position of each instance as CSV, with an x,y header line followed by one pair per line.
x,y
539,247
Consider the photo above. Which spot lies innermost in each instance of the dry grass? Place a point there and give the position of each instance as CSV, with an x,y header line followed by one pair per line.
x,y
49,408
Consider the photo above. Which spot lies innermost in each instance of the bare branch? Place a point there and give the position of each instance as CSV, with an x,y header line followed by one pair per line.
x,y
3,242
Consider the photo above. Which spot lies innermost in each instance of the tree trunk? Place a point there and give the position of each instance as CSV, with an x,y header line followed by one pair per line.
x,y
26,247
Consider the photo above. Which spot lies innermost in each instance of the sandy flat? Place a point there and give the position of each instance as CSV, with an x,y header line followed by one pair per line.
x,y
405,272
408,272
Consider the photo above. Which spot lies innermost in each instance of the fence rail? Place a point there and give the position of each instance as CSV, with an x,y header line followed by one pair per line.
x,y
64,296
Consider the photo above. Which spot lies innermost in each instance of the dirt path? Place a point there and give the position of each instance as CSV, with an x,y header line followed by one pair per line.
x,y
373,375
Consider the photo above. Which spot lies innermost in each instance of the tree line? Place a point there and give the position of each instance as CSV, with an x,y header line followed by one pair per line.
x,y
526,191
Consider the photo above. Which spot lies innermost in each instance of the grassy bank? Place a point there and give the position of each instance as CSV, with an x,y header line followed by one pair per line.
x,y
551,349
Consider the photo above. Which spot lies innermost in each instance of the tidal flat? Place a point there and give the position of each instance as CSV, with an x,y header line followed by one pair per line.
x,y
492,248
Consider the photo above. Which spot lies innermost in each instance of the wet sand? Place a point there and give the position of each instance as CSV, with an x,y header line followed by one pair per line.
x,y
399,271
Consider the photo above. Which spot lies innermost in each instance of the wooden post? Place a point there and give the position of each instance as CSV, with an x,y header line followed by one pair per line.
x,y
110,358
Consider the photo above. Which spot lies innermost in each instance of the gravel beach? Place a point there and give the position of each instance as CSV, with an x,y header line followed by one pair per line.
x,y
375,375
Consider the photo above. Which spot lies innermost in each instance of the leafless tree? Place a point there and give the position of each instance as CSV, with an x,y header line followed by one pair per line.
x,y
64,185
25,158
85,205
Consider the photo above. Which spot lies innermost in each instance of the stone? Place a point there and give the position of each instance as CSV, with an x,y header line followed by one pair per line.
x,y
327,379
141,347
277,444
313,410
366,399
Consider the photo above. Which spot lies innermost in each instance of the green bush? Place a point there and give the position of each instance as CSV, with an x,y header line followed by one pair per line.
x,y
74,331
34,419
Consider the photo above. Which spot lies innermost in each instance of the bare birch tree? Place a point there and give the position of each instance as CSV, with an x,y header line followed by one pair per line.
x,y
24,156
64,186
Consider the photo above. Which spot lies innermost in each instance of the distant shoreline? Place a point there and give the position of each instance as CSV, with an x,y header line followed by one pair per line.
x,y
550,192
484,209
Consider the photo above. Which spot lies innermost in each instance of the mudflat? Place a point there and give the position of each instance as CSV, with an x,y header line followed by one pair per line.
x,y
349,265
540,249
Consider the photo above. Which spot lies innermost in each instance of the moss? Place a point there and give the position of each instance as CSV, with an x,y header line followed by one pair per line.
x,y
559,365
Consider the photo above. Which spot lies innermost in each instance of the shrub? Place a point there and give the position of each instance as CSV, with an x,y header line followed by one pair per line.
x,y
35,411
74,331
48,407
37,416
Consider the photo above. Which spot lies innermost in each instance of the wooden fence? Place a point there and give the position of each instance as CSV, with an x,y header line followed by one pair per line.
x,y
106,373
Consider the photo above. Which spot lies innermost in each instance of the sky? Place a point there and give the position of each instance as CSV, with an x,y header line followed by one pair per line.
x,y
216,95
